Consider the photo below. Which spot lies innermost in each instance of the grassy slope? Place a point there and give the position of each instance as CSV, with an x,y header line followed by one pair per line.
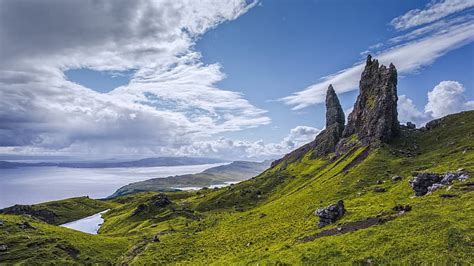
x,y
436,230
262,219
48,244
73,209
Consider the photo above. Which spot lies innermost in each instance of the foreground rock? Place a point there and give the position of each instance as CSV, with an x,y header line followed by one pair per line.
x,y
374,117
330,214
424,183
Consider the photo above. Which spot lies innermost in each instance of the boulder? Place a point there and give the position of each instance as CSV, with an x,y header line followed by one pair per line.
x,y
2,223
396,178
374,117
3,247
410,125
379,189
423,183
330,214
402,208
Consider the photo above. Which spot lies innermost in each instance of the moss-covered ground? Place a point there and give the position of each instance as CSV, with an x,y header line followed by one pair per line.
x,y
262,220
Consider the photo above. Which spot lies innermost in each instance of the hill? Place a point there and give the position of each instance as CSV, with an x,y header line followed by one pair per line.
x,y
366,192
234,172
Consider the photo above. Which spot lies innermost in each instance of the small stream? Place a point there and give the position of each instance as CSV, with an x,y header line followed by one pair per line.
x,y
90,224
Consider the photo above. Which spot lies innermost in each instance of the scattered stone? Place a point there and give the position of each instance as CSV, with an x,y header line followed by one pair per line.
x,y
396,178
2,223
262,215
3,247
379,189
402,208
411,125
423,183
379,182
330,214
156,239
374,117
25,225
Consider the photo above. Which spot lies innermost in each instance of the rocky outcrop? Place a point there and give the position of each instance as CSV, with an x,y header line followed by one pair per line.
x,y
374,117
326,141
330,214
424,183
155,203
42,214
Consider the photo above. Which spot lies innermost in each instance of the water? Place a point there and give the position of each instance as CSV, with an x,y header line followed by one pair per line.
x,y
32,185
89,224
225,184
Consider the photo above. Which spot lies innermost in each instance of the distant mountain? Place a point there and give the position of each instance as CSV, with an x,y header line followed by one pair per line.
x,y
234,172
147,162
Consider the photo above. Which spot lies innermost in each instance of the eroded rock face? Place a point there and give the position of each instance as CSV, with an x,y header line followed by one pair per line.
x,y
326,141
424,183
374,117
330,214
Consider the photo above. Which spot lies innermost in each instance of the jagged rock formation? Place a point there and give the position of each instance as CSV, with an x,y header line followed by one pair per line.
x,y
326,141
374,117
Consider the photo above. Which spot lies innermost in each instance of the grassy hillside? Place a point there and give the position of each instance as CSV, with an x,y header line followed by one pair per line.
x,y
269,219
61,211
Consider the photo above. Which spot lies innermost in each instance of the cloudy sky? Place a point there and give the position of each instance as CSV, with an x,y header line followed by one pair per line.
x,y
229,79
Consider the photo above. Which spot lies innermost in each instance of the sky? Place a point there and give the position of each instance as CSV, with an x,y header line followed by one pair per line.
x,y
235,79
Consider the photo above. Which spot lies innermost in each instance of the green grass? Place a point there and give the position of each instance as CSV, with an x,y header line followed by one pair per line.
x,y
260,221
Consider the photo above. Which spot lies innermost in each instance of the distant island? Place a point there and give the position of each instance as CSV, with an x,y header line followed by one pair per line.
x,y
220,175
147,162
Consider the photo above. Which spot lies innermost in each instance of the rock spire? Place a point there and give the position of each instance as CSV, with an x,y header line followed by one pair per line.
x,y
374,117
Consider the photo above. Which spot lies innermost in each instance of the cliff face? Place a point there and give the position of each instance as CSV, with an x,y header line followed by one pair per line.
x,y
374,117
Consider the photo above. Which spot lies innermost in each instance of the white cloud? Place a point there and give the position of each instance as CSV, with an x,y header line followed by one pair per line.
x,y
407,112
446,98
433,11
171,101
407,58
255,150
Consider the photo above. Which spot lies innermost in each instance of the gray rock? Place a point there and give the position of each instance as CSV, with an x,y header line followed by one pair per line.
x,y
2,223
330,214
326,141
26,225
379,189
423,183
410,125
3,247
374,117
396,178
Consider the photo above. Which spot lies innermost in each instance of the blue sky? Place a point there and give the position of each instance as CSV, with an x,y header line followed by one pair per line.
x,y
220,79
